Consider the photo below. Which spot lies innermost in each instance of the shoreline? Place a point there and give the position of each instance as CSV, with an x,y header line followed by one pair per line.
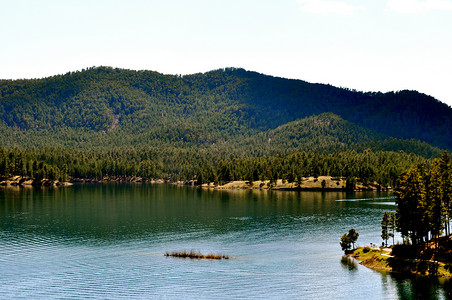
x,y
381,259
21,181
317,184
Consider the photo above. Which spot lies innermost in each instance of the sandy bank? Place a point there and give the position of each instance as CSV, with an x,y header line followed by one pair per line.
x,y
307,183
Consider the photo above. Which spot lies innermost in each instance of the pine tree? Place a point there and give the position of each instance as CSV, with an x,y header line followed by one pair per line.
x,y
353,235
385,227
411,203
392,225
345,242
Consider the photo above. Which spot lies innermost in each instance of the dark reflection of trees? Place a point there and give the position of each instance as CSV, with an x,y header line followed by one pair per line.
x,y
121,211
447,286
422,287
349,263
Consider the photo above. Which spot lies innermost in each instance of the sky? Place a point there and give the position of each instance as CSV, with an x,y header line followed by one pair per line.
x,y
379,45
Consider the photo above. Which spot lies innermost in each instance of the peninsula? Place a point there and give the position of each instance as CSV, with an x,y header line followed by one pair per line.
x,y
430,259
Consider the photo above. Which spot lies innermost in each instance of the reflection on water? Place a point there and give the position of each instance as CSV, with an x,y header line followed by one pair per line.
x,y
349,263
421,287
108,241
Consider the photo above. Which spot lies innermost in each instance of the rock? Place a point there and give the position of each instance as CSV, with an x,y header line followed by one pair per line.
x,y
27,182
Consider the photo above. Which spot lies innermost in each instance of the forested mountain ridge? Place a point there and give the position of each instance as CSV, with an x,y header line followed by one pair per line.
x,y
327,132
220,125
105,107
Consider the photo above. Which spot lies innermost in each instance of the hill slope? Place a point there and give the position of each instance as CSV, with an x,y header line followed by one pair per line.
x,y
105,108
327,132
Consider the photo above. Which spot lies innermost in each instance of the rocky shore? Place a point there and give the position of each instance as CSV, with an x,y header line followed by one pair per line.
x,y
28,181
320,183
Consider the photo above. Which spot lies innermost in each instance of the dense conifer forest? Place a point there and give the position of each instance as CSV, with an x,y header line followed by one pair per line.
x,y
424,200
222,125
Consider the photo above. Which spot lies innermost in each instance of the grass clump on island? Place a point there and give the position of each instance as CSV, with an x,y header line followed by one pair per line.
x,y
195,255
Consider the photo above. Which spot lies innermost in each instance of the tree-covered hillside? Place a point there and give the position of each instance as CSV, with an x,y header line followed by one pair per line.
x,y
105,107
327,132
113,122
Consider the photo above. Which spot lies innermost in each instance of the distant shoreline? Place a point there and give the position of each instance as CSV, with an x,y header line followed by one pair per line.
x,y
24,181
318,184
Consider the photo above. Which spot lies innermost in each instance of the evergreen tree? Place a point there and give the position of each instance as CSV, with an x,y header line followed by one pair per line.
x,y
385,227
423,200
392,225
353,235
345,242
411,204
349,239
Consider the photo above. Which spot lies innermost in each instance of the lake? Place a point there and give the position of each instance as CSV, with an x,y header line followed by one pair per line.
x,y
108,241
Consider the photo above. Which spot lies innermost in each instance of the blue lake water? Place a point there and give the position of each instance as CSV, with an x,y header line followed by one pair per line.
x,y
108,242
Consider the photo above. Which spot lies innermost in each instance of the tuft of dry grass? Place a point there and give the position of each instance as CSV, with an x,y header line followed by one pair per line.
x,y
195,255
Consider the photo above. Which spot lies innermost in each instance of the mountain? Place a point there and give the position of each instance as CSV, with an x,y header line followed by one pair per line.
x,y
105,107
113,122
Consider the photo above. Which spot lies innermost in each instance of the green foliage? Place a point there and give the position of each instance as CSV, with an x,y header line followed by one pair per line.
x,y
423,198
105,107
386,166
345,242
412,204
353,235
392,225
349,239
385,227
223,125
26,164
205,166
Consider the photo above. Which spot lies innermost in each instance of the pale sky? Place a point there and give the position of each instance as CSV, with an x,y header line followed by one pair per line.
x,y
379,45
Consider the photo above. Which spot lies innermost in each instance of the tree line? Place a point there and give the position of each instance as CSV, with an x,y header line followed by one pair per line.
x,y
424,200
368,166
22,163
204,166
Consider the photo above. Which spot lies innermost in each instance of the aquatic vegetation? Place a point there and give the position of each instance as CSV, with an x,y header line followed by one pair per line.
x,y
195,255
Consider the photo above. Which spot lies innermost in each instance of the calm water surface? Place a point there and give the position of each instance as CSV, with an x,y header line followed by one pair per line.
x,y
108,241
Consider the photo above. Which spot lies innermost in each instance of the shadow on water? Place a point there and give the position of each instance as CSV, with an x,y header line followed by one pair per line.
x,y
419,287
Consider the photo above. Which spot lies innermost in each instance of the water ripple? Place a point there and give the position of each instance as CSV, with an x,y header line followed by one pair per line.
x,y
108,243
